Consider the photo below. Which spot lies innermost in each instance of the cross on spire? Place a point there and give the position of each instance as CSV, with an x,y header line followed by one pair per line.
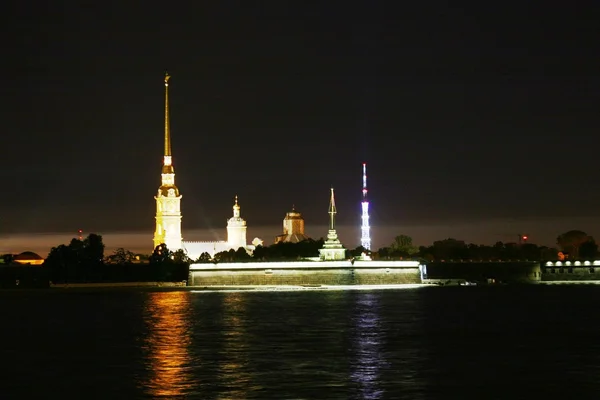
x,y
332,211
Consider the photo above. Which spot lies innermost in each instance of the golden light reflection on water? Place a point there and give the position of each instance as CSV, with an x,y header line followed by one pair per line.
x,y
234,367
167,344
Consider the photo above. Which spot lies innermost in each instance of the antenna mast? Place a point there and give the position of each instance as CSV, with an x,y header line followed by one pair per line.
x,y
365,229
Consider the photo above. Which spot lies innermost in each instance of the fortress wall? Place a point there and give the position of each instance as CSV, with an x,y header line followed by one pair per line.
x,y
566,273
526,271
308,273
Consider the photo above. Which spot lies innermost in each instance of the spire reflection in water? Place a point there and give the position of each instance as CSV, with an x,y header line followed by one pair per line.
x,y
167,344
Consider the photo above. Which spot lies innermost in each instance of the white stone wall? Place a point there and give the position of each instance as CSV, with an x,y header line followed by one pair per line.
x,y
195,249
306,273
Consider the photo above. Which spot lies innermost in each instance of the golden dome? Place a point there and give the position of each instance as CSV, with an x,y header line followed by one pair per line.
x,y
28,257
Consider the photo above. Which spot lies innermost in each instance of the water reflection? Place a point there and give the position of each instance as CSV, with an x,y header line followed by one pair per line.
x,y
367,341
234,369
167,344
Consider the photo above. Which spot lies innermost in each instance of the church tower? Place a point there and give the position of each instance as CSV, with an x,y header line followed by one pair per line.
x,y
293,228
168,199
236,228
332,248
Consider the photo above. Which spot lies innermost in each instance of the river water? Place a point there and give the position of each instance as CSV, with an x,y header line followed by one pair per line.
x,y
421,343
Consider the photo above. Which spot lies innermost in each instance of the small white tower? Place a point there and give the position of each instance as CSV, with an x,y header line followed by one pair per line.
x,y
168,199
236,228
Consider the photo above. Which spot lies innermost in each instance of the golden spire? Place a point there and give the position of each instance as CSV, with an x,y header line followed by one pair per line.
x,y
236,208
167,159
332,211
167,125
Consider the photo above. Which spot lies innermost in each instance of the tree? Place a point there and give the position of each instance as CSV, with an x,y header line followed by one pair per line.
x,y
204,258
357,252
548,253
161,255
383,253
259,253
180,257
530,251
569,242
61,262
225,256
168,266
450,249
7,258
588,249
403,244
93,249
242,255
121,257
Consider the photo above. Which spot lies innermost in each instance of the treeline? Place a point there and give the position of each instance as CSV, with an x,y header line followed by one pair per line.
x,y
458,250
84,261
570,245
282,251
575,245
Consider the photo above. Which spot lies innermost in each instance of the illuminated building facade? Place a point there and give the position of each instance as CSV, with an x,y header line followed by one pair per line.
x,y
236,228
332,248
293,228
168,210
365,229
168,199
236,238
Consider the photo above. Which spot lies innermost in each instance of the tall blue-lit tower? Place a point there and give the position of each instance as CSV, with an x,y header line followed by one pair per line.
x,y
365,229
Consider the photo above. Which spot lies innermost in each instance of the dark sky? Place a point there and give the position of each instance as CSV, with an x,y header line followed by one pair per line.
x,y
462,113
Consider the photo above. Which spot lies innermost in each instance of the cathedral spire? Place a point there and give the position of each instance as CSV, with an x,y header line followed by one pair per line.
x,y
168,162
168,198
332,211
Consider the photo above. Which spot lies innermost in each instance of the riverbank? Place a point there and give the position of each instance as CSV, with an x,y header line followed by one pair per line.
x,y
118,285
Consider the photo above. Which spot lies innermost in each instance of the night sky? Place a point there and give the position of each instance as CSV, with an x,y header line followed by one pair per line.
x,y
465,116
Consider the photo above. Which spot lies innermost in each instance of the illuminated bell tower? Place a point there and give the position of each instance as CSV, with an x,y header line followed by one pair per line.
x,y
236,228
168,199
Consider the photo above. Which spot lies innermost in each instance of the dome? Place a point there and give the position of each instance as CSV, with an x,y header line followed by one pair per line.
x,y
28,257
293,214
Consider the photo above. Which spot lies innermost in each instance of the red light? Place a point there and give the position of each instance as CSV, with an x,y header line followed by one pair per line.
x,y
524,237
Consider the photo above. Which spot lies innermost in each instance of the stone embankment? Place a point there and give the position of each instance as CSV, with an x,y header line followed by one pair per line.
x,y
119,285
